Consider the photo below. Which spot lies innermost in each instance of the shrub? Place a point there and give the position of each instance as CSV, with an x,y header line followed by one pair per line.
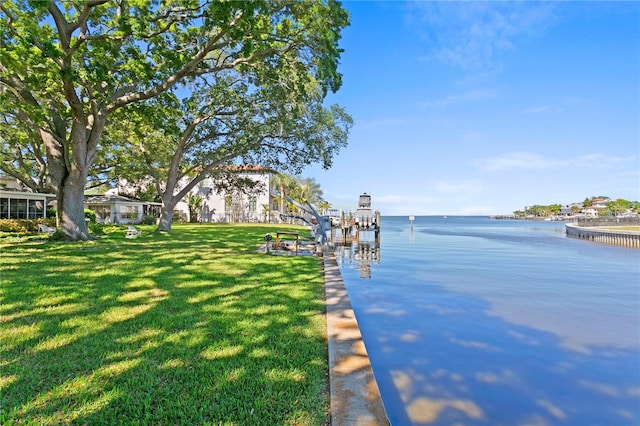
x,y
148,220
24,225
13,225
96,228
111,228
91,215
177,218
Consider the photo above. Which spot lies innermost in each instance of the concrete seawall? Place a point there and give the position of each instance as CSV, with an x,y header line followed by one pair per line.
x,y
606,236
355,397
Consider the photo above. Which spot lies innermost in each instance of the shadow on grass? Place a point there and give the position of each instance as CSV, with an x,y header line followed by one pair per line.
x,y
193,327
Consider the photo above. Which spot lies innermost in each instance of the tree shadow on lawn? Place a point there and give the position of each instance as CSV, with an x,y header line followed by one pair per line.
x,y
162,332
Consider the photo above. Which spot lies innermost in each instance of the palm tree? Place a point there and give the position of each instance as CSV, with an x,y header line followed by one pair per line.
x,y
308,190
324,206
194,202
300,190
283,184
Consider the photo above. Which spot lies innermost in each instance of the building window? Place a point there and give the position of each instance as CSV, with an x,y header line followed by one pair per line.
x,y
103,213
22,208
4,208
18,209
253,204
129,212
151,210
36,209
228,203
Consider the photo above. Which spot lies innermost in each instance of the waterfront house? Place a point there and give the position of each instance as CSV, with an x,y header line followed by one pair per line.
x,y
566,211
114,208
590,211
228,205
23,204
232,205
600,203
16,202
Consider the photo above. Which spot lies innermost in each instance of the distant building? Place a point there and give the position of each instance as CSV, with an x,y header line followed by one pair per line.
x,y
597,205
232,205
113,208
590,211
16,202
570,210
566,211
600,203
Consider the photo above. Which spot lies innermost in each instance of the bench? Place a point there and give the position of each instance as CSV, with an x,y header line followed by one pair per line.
x,y
44,229
133,232
295,234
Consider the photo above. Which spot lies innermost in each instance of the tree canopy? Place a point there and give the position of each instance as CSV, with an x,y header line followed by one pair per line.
x,y
71,70
613,208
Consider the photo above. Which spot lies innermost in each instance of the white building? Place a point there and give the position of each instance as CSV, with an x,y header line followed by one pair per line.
x,y
113,208
16,203
233,205
229,206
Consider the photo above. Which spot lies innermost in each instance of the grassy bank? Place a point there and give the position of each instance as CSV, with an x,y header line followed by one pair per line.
x,y
189,328
620,228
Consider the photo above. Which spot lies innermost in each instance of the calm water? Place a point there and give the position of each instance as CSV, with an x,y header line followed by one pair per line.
x,y
474,321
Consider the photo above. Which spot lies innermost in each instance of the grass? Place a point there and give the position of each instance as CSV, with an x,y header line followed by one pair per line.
x,y
621,228
195,327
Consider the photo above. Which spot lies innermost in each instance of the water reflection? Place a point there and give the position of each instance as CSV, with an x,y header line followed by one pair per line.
x,y
444,353
362,254
442,359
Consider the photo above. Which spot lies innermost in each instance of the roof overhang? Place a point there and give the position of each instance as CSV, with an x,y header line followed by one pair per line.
x,y
24,194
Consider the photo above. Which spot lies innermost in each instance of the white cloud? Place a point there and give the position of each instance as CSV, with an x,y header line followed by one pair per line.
x,y
401,205
542,109
384,122
467,35
465,186
516,160
530,160
599,160
630,173
470,96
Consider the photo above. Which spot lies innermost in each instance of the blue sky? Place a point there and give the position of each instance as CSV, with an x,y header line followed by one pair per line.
x,y
465,108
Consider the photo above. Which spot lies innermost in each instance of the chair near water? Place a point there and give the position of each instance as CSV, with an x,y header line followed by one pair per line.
x,y
133,232
44,229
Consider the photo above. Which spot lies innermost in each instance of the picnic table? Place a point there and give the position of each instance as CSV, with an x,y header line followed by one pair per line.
x,y
295,234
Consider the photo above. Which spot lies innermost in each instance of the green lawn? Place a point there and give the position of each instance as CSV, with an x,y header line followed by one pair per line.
x,y
190,328
620,228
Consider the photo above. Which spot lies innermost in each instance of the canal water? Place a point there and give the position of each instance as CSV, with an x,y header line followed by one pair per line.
x,y
475,321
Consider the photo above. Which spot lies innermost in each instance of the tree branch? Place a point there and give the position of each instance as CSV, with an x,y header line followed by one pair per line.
x,y
173,79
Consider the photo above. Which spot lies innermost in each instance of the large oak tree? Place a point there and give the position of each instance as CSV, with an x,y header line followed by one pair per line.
x,y
68,67
182,142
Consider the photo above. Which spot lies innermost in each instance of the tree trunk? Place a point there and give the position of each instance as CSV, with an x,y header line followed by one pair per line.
x,y
166,218
67,179
169,200
166,215
70,206
69,163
